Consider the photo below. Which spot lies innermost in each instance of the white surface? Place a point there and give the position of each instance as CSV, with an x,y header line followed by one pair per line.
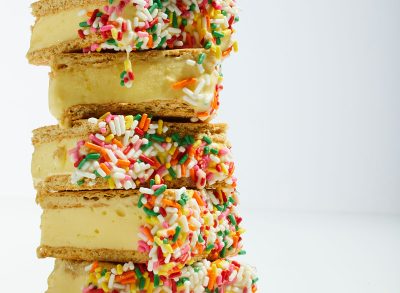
x,y
294,252
314,112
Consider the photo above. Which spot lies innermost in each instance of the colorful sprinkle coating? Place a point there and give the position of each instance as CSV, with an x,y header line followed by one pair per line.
x,y
130,152
130,25
188,224
223,276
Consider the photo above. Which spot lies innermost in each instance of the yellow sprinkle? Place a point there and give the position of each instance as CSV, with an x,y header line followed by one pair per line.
x,y
119,269
158,241
168,178
114,33
111,183
220,79
168,165
128,121
104,116
128,65
97,270
224,169
157,178
218,52
104,287
197,144
98,275
160,127
150,287
109,137
172,150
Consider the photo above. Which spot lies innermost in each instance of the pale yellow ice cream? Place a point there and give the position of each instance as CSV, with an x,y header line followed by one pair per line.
x,y
106,224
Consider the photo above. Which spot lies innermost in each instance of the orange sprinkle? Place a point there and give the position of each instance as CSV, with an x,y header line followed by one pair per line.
x,y
147,124
202,114
184,83
94,266
192,175
94,147
174,162
192,227
123,163
227,52
150,42
128,281
117,142
208,23
124,276
142,121
105,168
183,170
170,203
211,281
197,197
147,232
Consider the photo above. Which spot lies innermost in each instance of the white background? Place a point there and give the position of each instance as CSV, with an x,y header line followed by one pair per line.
x,y
313,103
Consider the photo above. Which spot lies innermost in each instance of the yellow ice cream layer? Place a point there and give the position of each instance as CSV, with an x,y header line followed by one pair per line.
x,y
107,224
51,158
154,79
53,29
65,280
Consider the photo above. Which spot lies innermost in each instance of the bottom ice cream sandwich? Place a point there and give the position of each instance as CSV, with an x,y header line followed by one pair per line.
x,y
164,228
205,276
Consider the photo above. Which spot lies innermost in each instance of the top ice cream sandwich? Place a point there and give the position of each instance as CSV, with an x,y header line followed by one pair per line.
x,y
130,25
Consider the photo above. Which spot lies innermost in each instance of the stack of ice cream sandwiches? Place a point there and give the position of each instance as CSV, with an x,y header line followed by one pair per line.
x,y
136,185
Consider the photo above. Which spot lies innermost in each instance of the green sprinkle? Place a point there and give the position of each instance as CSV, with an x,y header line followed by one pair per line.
x,y
172,172
201,58
163,40
122,75
138,117
156,281
80,182
207,139
160,190
210,246
122,82
82,163
146,146
174,20
242,252
165,241
232,219
206,150
93,156
237,19
214,26
214,151
138,272
157,138
175,137
139,45
223,252
142,282
254,281
111,42
183,159
192,7
200,239
96,173
197,269
189,139
181,281
103,272
150,213
208,45
218,41
184,22
177,231
152,182
110,1
224,12
84,24
218,34
140,203
154,6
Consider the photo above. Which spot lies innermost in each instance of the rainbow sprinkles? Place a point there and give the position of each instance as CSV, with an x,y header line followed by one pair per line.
x,y
133,25
131,151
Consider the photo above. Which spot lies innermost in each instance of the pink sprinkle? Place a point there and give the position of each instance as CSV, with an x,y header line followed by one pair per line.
x,y
106,28
165,225
156,186
103,130
142,34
